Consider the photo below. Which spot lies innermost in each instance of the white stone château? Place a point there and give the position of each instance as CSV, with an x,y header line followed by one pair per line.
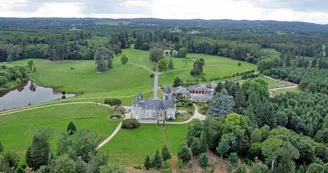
x,y
155,109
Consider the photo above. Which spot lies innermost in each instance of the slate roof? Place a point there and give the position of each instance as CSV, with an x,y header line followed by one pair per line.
x,y
155,104
167,90
179,89
140,96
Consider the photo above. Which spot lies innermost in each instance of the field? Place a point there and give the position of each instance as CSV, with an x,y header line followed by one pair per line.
x,y
130,147
82,77
17,129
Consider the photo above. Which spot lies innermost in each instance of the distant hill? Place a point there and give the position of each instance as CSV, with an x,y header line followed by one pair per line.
x,y
224,24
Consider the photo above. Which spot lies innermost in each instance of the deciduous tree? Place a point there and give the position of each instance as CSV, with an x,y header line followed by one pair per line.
x,y
156,54
124,59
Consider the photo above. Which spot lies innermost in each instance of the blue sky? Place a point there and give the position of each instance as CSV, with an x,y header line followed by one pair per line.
x,y
315,11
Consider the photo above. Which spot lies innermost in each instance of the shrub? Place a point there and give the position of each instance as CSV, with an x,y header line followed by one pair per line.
x,y
11,158
130,124
3,80
137,167
18,81
71,128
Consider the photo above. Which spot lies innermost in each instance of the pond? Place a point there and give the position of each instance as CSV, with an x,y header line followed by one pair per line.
x,y
28,93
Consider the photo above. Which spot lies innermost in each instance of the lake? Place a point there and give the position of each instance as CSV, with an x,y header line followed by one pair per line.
x,y
28,93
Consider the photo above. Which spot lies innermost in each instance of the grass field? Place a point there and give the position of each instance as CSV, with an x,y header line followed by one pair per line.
x,y
127,79
17,129
268,81
130,147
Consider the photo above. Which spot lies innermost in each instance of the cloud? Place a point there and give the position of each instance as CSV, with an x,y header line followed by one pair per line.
x,y
294,5
283,10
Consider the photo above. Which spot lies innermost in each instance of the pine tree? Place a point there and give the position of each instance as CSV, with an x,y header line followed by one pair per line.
x,y
71,128
166,155
147,163
177,82
184,153
195,147
233,158
203,159
240,100
157,161
203,144
171,66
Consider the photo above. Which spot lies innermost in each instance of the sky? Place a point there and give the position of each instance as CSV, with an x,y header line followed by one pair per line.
x,y
314,11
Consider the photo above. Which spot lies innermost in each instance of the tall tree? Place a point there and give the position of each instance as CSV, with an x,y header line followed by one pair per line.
x,y
147,163
38,153
184,153
182,52
157,161
162,64
221,104
166,155
177,82
156,54
223,148
171,66
103,58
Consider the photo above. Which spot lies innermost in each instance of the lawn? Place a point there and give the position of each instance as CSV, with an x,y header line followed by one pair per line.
x,y
215,66
85,79
17,129
130,147
81,76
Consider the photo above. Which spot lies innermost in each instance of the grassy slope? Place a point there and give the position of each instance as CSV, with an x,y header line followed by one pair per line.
x,y
16,130
85,78
127,79
130,147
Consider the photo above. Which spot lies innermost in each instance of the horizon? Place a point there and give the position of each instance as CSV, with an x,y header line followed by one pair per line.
x,y
274,10
163,19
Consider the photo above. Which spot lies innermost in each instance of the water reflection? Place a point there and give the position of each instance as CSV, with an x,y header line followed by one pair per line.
x,y
28,93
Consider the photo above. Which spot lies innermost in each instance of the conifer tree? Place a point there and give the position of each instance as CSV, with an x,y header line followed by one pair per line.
x,y
157,161
71,128
147,163
171,66
166,155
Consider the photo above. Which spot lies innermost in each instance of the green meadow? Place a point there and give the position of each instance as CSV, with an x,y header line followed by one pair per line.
x,y
17,129
81,76
130,147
